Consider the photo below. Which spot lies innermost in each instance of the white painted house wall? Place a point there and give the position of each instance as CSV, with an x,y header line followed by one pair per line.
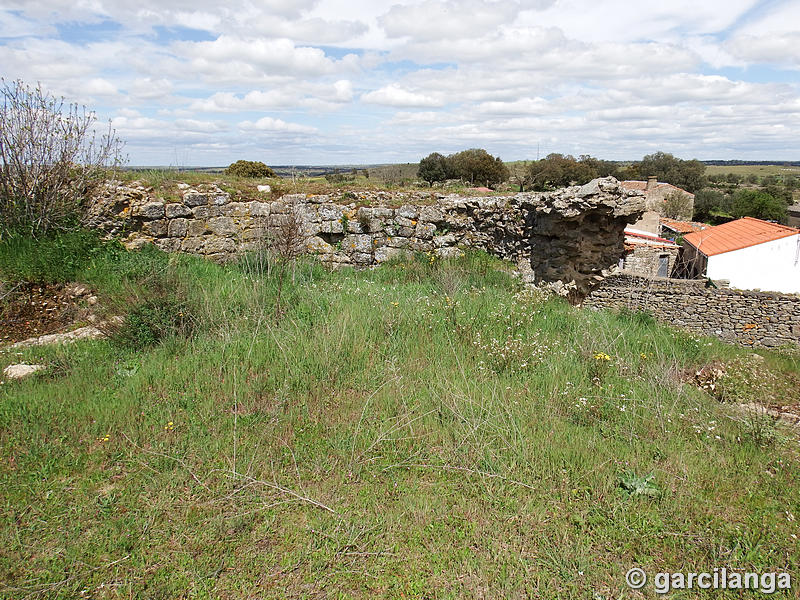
x,y
769,267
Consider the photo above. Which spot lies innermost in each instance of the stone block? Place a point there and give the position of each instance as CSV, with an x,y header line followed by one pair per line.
x,y
174,210
431,214
193,199
330,212
424,231
155,228
386,253
331,227
217,245
443,241
407,212
168,244
178,228
259,209
360,243
197,227
224,226
362,258
152,210
193,245
236,209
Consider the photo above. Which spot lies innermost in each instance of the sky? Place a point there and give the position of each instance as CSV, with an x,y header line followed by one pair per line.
x,y
304,82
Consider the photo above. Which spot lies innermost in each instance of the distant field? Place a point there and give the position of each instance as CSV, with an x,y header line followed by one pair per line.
x,y
759,170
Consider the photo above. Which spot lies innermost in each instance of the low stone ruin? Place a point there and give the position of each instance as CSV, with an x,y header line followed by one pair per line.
x,y
568,237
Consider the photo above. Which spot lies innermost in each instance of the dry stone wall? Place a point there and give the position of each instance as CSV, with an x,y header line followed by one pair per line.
x,y
570,236
748,318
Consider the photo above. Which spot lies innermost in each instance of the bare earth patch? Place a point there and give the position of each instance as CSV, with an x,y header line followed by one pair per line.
x,y
32,310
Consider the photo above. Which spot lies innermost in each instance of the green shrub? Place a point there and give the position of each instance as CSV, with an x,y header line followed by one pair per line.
x,y
249,168
149,323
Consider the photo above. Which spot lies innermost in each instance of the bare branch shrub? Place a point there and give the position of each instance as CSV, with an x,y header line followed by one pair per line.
x,y
286,243
51,159
677,205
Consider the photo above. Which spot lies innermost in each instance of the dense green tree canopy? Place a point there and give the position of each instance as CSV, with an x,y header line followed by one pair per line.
x,y
686,174
478,167
249,168
433,168
559,170
758,204
475,166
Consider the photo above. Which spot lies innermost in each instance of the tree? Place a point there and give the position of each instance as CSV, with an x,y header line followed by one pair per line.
x,y
709,205
758,204
677,205
51,159
433,168
686,174
477,166
559,170
249,168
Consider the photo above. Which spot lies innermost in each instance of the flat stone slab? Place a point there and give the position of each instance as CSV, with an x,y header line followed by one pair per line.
x,y
82,333
21,371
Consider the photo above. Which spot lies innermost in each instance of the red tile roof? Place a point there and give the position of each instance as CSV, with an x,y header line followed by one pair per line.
x,y
683,226
645,236
738,234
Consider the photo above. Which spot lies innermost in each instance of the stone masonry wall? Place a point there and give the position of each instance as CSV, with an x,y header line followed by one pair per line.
x,y
748,318
570,236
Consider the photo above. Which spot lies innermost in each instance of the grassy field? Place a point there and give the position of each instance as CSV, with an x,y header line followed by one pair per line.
x,y
760,170
422,430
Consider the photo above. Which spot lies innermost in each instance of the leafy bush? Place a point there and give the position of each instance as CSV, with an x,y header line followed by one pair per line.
x,y
249,168
150,322
50,159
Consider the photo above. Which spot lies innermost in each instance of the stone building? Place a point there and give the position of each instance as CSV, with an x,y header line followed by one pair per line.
x,y
648,255
749,253
656,194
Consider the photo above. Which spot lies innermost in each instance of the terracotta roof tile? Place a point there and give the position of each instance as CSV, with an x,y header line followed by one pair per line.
x,y
683,226
736,235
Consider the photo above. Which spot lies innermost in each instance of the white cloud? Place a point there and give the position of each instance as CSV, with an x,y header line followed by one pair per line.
x,y
311,79
394,95
778,49
275,125
264,56
447,19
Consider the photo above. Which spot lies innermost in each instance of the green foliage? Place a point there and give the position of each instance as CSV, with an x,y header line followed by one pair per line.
x,y
636,485
152,321
558,170
709,204
686,174
51,160
57,258
477,167
249,168
677,205
761,205
206,465
433,168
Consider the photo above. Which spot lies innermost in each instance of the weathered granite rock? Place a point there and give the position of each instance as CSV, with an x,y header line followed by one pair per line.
x,y
21,371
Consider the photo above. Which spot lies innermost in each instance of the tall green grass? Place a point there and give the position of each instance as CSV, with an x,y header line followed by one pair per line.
x,y
427,429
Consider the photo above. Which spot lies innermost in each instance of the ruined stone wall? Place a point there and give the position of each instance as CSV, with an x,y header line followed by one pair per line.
x,y
646,260
570,235
748,318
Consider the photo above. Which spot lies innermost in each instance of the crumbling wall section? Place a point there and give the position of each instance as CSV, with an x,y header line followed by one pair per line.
x,y
569,236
